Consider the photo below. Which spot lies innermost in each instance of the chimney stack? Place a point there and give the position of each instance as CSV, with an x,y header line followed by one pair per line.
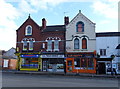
x,y
66,20
43,23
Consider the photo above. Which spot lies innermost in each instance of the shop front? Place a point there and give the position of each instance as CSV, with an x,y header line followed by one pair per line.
x,y
104,65
81,63
53,62
29,61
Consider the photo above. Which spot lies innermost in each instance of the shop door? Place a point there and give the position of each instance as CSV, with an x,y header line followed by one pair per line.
x,y
45,65
102,68
69,64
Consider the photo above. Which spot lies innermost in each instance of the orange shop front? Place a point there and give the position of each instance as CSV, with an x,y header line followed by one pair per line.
x,y
81,63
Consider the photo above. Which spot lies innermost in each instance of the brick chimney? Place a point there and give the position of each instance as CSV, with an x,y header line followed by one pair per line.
x,y
43,23
66,20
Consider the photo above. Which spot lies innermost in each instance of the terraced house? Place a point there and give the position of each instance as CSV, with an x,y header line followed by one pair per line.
x,y
70,47
80,45
40,48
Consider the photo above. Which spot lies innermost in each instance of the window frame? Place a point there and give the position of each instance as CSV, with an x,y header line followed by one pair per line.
x,y
86,42
78,44
49,45
56,45
31,44
103,52
26,30
77,26
25,43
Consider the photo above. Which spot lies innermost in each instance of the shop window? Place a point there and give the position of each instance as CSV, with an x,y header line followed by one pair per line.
x,y
69,63
77,62
118,66
30,45
84,43
49,46
90,63
28,30
76,43
80,26
83,63
103,52
24,45
29,63
56,45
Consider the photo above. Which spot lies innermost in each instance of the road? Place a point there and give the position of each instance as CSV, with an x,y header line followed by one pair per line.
x,y
28,80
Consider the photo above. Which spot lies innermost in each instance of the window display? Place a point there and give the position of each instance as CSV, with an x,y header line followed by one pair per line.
x,y
29,63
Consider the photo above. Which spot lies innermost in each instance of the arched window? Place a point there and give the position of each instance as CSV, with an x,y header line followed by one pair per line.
x,y
24,45
84,43
30,45
80,26
49,45
28,30
76,43
56,45
24,41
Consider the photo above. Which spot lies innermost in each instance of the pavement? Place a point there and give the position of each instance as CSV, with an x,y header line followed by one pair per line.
x,y
62,74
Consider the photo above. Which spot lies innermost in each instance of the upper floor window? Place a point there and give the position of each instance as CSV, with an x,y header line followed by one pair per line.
x,y
49,46
103,52
56,45
80,26
30,45
24,45
76,43
84,43
28,30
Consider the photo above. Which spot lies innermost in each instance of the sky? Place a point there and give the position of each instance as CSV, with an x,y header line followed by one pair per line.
x,y
14,12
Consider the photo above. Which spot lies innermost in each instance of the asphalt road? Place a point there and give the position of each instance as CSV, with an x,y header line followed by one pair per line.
x,y
28,80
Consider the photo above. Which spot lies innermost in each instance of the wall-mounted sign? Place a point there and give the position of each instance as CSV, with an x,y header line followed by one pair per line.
x,y
80,55
30,55
52,56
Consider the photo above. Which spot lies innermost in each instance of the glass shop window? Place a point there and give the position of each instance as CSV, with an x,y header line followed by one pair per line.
x,y
90,63
69,63
77,62
84,63
29,63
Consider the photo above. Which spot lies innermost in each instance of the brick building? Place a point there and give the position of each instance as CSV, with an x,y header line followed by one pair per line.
x,y
40,48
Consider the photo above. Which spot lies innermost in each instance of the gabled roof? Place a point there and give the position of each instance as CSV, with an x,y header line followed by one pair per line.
x,y
54,28
83,16
107,34
29,18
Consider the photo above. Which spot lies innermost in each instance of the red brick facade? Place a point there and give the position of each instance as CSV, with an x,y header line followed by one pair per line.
x,y
40,35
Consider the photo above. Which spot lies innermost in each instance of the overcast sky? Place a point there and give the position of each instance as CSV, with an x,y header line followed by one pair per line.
x,y
14,12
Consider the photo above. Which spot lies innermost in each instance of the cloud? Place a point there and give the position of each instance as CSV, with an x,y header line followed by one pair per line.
x,y
107,8
7,25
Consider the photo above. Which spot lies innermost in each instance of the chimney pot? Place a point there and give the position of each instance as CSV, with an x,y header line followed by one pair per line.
x,y
43,23
66,20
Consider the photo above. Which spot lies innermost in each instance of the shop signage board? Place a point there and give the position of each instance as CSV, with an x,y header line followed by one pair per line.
x,y
52,56
30,55
81,55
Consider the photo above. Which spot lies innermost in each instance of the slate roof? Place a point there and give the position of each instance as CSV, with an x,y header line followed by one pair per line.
x,y
54,28
107,34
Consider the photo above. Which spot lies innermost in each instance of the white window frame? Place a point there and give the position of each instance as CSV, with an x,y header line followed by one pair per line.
x,y
49,45
31,45
56,45
77,45
24,44
26,30
104,52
